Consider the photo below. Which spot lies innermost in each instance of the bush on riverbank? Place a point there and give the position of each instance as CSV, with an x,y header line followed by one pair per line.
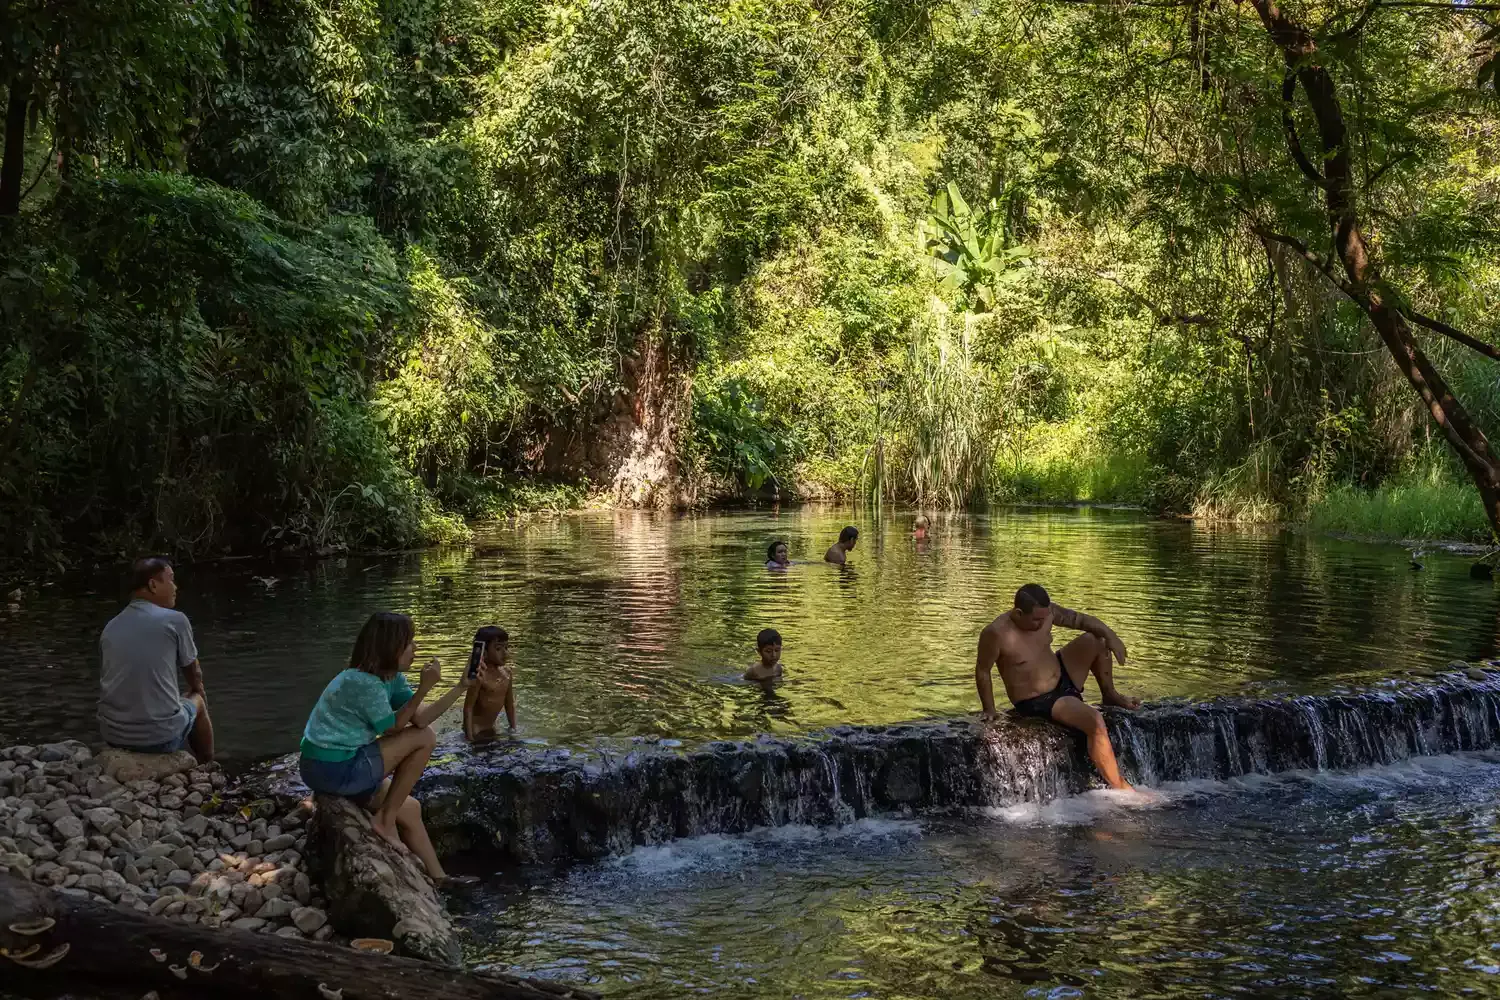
x,y
345,264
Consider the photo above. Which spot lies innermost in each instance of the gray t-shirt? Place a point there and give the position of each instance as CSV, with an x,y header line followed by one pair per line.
x,y
143,648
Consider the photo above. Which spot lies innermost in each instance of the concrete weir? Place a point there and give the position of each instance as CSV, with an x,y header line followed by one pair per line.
x,y
541,803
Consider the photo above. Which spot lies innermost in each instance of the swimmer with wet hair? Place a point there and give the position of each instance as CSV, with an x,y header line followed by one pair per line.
x,y
919,527
778,555
491,690
840,551
768,667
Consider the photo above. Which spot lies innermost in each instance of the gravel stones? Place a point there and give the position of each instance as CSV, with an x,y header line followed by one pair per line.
x,y
280,843
151,835
68,827
309,919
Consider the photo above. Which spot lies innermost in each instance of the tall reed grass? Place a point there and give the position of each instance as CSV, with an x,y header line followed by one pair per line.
x,y
1410,509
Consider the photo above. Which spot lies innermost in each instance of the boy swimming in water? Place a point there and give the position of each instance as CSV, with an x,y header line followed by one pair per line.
x,y
768,667
492,689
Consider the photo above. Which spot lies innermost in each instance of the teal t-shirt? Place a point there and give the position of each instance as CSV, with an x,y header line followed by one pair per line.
x,y
353,710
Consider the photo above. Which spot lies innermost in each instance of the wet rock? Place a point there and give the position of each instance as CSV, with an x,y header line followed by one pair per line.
x,y
536,804
248,924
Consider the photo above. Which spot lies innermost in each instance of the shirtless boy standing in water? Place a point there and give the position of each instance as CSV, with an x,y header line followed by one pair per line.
x,y
492,689
1050,684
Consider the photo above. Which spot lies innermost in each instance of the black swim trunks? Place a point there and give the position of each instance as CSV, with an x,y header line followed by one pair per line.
x,y
1042,704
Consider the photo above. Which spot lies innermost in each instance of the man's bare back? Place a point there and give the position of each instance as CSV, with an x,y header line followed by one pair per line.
x,y
1049,684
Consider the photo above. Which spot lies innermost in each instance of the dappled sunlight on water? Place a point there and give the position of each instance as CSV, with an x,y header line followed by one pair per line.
x,y
1366,884
629,623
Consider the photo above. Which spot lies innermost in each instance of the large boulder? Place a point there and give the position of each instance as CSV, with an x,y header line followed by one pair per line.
x,y
374,890
127,765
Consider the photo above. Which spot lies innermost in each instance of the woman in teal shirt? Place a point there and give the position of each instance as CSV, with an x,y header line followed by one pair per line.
x,y
369,736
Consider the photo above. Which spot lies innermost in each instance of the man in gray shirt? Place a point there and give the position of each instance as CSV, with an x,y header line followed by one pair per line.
x,y
143,648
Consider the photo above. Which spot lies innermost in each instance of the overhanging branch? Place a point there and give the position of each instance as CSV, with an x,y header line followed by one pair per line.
x,y
1300,248
1294,144
1438,326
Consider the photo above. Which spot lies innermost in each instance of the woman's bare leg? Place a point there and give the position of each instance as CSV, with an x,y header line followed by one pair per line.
x,y
409,822
404,756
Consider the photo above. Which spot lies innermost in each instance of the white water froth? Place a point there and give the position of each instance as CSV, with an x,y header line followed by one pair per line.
x,y
1462,771
717,851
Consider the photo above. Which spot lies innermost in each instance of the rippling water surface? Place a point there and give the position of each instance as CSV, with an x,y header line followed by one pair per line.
x,y
1376,884
639,623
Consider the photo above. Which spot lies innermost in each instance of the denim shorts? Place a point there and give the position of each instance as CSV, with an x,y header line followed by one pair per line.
x,y
356,778
175,743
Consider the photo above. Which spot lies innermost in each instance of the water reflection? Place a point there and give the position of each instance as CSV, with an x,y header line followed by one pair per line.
x,y
638,623
1366,885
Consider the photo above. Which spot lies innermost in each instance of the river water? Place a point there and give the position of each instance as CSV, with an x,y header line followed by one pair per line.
x,y
1371,883
638,623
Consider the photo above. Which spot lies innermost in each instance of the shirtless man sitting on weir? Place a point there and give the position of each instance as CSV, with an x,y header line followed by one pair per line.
x,y
1050,684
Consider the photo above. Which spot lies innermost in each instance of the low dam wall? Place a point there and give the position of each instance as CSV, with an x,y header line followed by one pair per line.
x,y
542,803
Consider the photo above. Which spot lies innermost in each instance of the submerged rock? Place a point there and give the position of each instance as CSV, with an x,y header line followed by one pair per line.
x,y
531,803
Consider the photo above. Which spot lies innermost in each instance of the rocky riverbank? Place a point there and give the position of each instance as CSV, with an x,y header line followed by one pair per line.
x,y
184,846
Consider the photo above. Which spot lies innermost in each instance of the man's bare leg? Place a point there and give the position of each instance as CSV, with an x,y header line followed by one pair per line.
x,y
201,736
1088,654
1086,719
404,756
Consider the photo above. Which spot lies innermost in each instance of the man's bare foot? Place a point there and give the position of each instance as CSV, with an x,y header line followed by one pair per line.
x,y
388,831
1119,700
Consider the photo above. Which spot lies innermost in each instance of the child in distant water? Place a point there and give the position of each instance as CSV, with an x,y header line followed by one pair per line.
x,y
492,689
919,528
768,667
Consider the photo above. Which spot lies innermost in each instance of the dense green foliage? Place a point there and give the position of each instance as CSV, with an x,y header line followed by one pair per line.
x,y
321,272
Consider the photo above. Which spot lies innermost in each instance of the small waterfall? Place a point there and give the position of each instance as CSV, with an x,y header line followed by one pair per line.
x,y
542,803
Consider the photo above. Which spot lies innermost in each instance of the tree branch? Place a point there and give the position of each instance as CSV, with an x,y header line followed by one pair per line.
x,y
1163,317
1438,326
1457,8
1300,248
1388,165
1288,91
1359,23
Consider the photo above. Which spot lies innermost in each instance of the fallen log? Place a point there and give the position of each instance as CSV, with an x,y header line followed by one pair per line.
x,y
52,944
373,889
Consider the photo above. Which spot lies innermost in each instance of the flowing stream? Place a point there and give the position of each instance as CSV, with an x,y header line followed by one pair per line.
x,y
1328,810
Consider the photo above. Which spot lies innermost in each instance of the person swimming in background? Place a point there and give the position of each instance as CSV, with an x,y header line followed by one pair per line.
x,y
768,667
492,689
840,551
778,555
919,527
